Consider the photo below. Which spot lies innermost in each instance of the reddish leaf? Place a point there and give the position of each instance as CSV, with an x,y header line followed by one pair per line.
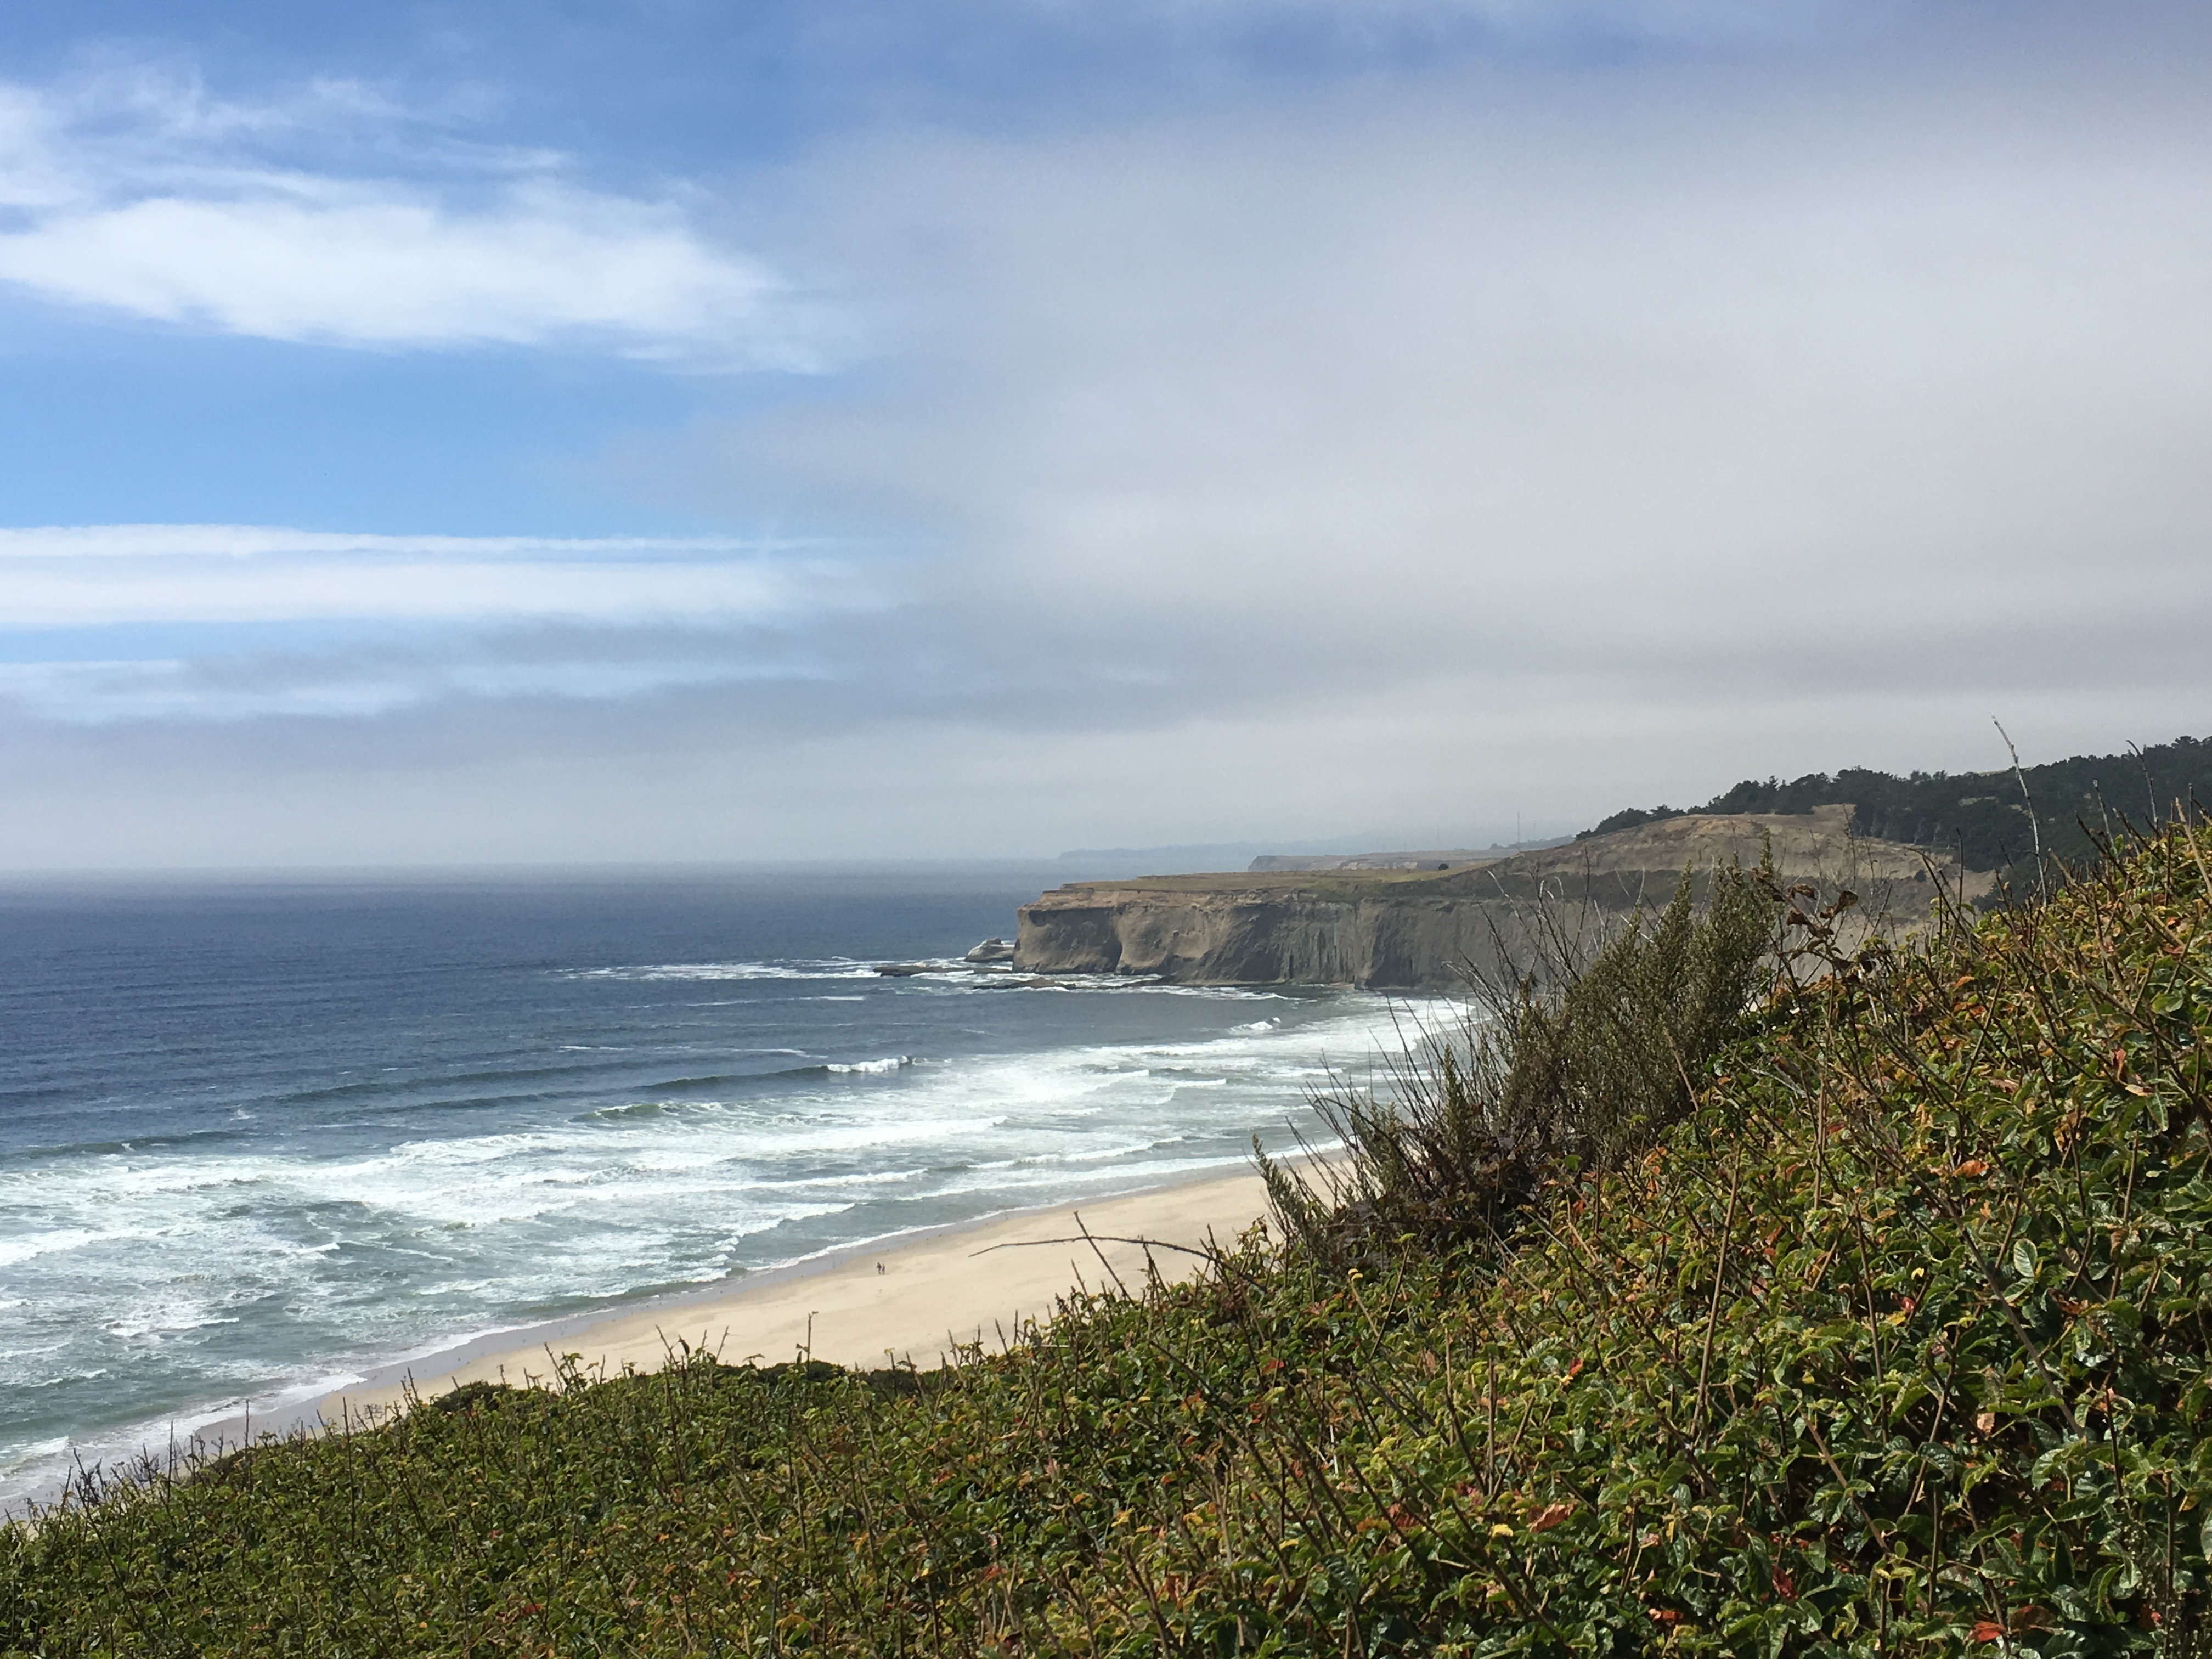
x,y
1549,1516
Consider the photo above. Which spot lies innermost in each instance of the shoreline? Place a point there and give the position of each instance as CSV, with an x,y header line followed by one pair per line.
x,y
913,1296
951,1284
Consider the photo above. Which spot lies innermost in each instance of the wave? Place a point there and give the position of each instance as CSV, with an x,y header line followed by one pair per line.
x,y
25,1163
820,967
933,974
14,1252
1217,993
872,1067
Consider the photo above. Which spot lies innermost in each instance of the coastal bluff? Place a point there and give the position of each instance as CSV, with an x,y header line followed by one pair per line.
x,y
1421,929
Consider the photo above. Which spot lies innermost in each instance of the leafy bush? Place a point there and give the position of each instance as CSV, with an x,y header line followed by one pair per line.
x,y
1628,818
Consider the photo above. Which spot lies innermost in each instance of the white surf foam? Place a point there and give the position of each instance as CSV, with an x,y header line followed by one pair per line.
x,y
204,1263
827,968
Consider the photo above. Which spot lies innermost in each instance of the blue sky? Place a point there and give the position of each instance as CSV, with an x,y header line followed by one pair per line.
x,y
567,432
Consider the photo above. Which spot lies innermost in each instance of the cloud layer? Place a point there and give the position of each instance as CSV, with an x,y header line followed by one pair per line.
x,y
1455,444
1280,372
1611,438
203,622
104,575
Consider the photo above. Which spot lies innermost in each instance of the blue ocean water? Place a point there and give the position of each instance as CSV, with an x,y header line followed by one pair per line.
x,y
258,1135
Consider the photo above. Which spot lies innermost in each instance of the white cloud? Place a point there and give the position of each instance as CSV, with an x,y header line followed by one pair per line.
x,y
111,576
139,195
354,686
373,269
247,540
277,621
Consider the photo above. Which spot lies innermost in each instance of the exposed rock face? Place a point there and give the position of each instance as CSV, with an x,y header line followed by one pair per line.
x,y
1421,929
1231,937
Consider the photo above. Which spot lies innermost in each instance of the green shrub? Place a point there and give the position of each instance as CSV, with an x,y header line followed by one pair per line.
x,y
1541,1082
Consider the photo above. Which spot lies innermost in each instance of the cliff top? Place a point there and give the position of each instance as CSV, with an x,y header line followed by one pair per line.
x,y
1982,817
1818,841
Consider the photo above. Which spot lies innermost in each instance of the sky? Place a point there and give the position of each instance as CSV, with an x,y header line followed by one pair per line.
x,y
641,430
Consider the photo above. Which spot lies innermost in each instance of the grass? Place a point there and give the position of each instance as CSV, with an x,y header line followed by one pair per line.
x,y
1893,1339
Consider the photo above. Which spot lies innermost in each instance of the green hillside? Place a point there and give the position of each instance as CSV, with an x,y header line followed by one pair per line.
x,y
1984,812
1882,1329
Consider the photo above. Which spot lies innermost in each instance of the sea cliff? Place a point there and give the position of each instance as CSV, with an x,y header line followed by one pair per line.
x,y
1251,934
1423,929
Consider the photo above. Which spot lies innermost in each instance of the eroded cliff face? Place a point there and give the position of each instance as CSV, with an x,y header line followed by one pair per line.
x,y
1265,936
1424,930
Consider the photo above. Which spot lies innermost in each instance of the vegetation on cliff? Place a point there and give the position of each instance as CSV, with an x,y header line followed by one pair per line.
x,y
1567,1067
1889,1334
1983,816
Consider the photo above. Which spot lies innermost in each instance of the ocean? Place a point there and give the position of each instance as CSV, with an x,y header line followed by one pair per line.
x,y
258,1135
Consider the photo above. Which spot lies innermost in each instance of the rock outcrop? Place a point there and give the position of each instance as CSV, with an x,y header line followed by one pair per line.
x,y
1423,929
1229,936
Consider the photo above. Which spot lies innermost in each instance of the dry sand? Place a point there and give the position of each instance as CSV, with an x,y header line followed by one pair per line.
x,y
914,1300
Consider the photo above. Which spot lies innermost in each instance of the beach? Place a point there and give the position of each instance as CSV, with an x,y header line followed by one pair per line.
x,y
913,1300
415,1124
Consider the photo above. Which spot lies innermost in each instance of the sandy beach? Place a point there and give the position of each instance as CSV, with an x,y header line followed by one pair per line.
x,y
909,1300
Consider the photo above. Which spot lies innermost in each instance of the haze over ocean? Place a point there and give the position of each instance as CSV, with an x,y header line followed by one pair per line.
x,y
253,1133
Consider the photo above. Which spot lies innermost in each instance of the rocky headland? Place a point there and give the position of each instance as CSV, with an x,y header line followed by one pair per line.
x,y
1422,928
